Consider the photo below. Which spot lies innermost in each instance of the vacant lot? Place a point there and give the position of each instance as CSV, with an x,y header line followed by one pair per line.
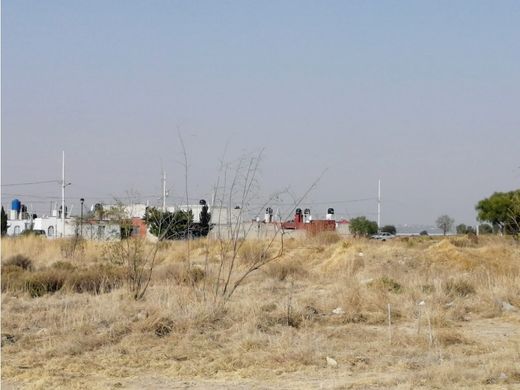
x,y
330,313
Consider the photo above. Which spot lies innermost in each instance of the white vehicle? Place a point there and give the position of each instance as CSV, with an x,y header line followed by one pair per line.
x,y
382,236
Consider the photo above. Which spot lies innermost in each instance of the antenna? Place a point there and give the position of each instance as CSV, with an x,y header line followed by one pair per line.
x,y
379,204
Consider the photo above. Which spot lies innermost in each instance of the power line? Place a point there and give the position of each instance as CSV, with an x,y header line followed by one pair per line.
x,y
30,183
30,196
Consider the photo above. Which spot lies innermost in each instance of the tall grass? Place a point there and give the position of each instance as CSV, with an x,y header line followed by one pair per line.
x,y
451,304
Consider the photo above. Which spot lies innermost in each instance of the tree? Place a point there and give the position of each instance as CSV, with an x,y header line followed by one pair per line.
x,y
461,229
445,223
203,227
502,210
389,229
99,211
361,226
166,225
485,228
4,222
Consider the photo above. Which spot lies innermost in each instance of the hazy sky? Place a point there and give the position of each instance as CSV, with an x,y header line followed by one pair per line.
x,y
424,95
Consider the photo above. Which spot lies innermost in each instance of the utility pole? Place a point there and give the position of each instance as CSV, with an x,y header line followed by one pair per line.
x,y
82,200
379,204
63,194
164,191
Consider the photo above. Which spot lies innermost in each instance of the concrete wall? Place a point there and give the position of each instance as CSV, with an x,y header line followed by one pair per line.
x,y
16,227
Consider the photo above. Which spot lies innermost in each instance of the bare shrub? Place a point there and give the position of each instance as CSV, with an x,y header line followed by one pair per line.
x,y
72,247
20,261
137,258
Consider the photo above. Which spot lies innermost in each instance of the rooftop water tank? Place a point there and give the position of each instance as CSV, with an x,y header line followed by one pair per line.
x,y
16,205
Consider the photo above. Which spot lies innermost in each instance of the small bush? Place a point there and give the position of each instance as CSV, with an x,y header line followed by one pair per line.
x,y
96,280
60,275
163,327
43,282
19,261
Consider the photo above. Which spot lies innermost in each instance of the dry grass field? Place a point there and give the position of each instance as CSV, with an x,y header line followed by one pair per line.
x,y
330,313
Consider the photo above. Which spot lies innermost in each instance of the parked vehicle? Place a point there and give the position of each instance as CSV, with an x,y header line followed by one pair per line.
x,y
382,236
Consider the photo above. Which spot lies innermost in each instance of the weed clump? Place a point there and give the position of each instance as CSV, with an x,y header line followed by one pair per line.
x,y
96,280
387,284
184,275
163,327
12,278
281,270
252,252
61,275
43,282
64,266
70,247
459,287
326,238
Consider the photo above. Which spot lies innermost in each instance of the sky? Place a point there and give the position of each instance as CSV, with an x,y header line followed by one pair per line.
x,y
422,95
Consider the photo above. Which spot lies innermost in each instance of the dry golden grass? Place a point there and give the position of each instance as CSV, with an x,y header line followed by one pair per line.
x,y
454,311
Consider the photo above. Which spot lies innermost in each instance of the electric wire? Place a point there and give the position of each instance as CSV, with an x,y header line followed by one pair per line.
x,y
31,183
